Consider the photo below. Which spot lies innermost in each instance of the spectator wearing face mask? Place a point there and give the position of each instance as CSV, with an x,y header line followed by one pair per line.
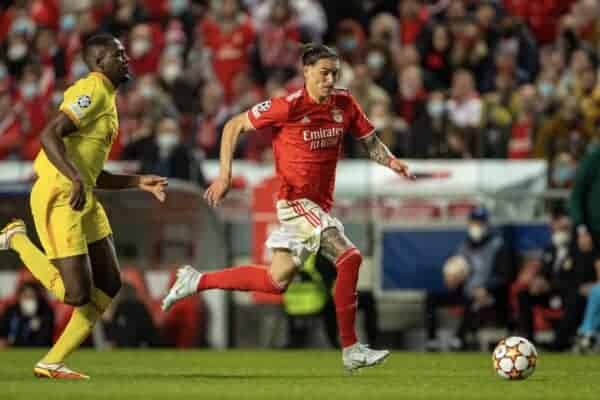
x,y
11,129
34,95
465,110
229,35
165,153
350,40
428,134
476,278
411,95
28,322
145,47
549,285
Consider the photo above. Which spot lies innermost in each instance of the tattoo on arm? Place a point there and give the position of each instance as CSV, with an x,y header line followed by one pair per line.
x,y
378,151
334,244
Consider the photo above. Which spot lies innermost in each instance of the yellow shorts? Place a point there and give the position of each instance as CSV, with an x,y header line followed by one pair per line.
x,y
63,231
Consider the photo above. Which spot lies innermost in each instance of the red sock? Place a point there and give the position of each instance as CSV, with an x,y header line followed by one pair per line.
x,y
345,294
246,277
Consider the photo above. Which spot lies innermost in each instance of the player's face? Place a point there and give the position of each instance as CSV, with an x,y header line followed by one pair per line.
x,y
321,77
116,64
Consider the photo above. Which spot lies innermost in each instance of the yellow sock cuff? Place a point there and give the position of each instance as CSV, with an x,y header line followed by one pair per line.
x,y
100,299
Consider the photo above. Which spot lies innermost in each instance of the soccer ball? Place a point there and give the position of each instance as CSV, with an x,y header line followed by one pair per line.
x,y
514,358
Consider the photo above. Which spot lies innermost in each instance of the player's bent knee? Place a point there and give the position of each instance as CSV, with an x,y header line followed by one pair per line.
x,y
351,253
114,287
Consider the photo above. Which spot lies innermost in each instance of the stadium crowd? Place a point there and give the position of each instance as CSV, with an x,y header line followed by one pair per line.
x,y
440,79
508,79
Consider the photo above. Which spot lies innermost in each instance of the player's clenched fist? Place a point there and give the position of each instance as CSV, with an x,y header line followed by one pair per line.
x,y
217,191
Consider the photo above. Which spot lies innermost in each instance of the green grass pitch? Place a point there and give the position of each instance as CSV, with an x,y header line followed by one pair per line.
x,y
282,375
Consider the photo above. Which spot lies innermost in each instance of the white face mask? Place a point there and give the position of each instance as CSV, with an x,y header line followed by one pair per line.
x,y
375,60
476,232
147,92
29,90
167,141
561,238
379,123
79,69
139,47
171,72
17,51
28,306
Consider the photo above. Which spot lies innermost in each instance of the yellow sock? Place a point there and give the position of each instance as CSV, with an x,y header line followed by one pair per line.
x,y
79,327
39,265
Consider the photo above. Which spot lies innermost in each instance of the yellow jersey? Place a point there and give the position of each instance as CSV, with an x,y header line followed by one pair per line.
x,y
90,104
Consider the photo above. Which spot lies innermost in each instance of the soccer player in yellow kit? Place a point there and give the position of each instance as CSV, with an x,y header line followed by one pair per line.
x,y
80,266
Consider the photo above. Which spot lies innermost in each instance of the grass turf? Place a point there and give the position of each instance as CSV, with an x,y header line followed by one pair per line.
x,y
283,375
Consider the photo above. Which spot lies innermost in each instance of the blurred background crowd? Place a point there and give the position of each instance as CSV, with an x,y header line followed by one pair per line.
x,y
508,79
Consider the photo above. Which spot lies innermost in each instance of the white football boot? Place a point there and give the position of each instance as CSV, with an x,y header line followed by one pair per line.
x,y
15,226
185,285
360,356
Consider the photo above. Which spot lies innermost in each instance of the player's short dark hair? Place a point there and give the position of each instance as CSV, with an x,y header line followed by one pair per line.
x,y
312,52
97,42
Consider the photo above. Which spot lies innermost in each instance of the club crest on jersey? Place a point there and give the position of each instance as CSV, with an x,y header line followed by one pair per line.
x,y
84,101
261,108
337,115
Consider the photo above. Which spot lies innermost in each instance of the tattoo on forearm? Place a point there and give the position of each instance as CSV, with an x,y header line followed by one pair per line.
x,y
378,151
334,243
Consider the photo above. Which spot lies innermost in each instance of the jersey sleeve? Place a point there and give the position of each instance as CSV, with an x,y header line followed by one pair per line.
x,y
271,112
83,102
360,126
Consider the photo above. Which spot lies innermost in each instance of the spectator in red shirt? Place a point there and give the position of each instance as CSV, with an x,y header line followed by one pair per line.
x,y
412,19
210,122
350,40
279,39
34,93
411,94
49,53
11,132
145,47
230,35
520,143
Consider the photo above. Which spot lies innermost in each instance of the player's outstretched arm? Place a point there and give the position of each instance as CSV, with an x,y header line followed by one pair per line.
x,y
231,134
149,183
51,140
379,153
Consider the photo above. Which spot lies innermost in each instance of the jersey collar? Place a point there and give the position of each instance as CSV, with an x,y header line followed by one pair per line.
x,y
105,79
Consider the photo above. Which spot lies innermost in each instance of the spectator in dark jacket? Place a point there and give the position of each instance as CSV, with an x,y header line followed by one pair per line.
x,y
28,322
128,323
476,278
165,154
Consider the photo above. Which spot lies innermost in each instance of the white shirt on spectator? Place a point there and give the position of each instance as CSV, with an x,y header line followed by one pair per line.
x,y
466,114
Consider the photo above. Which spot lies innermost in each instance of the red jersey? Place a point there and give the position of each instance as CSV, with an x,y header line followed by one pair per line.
x,y
230,50
307,140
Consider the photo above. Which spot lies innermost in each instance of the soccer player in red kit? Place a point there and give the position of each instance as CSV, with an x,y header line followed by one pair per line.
x,y
309,126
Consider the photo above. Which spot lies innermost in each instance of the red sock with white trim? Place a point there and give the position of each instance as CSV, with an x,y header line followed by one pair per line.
x,y
344,296
245,278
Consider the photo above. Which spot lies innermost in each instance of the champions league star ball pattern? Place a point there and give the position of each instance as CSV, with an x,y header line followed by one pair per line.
x,y
514,358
